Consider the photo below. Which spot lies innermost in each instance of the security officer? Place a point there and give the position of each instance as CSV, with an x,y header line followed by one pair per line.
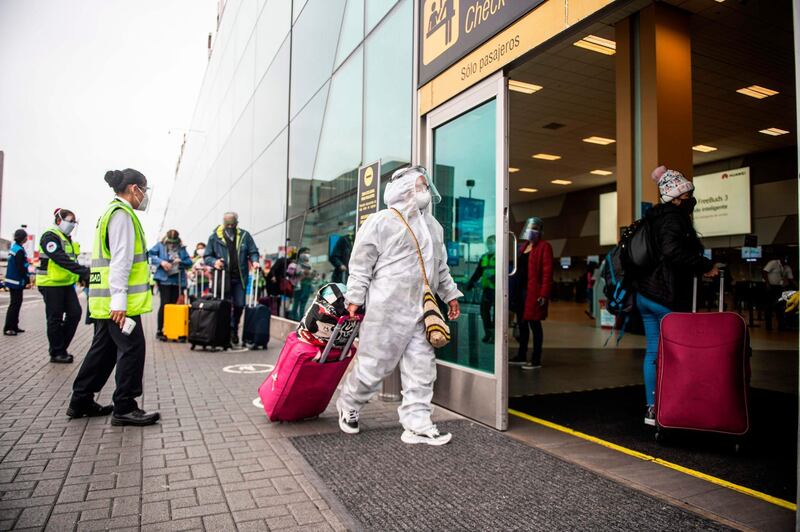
x,y
56,276
119,293
16,281
485,274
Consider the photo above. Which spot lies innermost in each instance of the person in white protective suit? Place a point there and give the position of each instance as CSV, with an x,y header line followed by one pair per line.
x,y
386,276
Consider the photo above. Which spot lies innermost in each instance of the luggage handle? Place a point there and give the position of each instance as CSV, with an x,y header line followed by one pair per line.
x,y
219,286
254,292
721,292
335,335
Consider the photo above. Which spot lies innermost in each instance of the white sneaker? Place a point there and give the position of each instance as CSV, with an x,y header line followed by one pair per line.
x,y
432,436
348,420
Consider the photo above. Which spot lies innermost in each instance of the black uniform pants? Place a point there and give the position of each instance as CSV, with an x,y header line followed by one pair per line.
x,y
112,348
63,312
168,295
538,338
487,304
12,316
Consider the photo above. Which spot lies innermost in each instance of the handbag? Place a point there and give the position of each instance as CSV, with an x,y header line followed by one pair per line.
x,y
436,330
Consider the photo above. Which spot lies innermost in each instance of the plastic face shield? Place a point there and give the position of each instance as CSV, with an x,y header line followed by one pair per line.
x,y
528,229
414,172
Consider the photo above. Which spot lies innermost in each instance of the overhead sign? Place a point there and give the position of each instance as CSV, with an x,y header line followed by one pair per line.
x,y
490,35
369,187
723,203
450,29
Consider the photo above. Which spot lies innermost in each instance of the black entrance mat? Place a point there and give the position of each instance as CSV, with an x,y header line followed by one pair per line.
x,y
482,480
767,461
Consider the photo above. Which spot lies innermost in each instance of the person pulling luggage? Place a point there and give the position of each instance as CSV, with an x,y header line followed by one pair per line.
x,y
172,264
233,249
668,286
385,274
56,275
119,293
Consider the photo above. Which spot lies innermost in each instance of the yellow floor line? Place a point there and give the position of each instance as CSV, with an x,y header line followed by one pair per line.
x,y
646,457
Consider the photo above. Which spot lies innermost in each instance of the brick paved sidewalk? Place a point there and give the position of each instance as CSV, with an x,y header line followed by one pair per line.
x,y
213,463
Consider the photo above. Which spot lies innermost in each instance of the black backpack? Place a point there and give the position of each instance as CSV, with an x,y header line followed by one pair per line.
x,y
633,254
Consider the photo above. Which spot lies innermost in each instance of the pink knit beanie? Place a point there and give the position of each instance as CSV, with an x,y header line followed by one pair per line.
x,y
671,183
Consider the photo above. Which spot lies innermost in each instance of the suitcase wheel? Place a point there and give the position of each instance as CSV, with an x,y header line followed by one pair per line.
x,y
192,347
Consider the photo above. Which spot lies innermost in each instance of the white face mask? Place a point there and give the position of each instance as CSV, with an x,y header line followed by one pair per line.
x,y
66,227
201,252
423,199
145,203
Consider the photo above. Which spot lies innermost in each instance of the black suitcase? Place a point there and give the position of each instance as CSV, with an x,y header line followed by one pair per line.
x,y
256,320
210,320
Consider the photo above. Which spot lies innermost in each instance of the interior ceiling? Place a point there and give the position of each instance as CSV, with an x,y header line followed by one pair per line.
x,y
735,44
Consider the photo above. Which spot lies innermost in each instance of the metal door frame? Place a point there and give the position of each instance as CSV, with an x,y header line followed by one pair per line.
x,y
474,393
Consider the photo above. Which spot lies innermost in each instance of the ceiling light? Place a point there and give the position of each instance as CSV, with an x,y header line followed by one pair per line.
x,y
703,148
521,86
600,172
512,170
599,140
774,131
561,182
547,157
526,189
755,91
597,44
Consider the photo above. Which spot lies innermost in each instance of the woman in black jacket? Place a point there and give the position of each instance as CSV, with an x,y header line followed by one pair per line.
x,y
679,259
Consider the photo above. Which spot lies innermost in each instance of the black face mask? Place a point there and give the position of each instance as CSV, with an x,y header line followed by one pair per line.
x,y
688,204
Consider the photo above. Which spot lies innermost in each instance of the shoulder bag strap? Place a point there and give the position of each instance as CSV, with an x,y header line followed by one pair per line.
x,y
416,243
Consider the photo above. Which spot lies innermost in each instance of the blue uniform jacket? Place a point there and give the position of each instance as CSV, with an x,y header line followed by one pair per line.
x,y
159,253
17,270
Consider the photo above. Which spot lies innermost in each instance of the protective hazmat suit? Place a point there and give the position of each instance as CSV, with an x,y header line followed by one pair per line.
x,y
385,274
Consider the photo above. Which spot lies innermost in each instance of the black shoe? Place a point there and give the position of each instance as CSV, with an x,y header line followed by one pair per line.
x,y
61,359
10,332
19,330
137,418
93,410
234,339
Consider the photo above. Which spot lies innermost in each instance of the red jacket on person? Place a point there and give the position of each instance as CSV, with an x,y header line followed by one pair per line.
x,y
540,279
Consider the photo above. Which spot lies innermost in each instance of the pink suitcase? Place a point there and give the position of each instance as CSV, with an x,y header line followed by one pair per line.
x,y
703,371
305,377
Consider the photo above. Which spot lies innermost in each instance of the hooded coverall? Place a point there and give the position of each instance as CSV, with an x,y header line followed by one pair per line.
x,y
385,274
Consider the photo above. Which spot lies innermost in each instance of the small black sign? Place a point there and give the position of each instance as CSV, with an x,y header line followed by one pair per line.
x,y
369,187
450,29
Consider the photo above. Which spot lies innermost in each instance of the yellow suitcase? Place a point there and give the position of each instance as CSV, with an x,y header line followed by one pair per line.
x,y
176,322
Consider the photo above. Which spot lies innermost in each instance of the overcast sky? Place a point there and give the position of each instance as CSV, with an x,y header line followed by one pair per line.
x,y
92,85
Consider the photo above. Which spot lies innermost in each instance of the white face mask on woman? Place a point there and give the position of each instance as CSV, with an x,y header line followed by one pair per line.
x,y
423,199
66,227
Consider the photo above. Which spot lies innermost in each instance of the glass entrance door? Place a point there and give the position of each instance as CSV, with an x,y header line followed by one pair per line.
x,y
467,156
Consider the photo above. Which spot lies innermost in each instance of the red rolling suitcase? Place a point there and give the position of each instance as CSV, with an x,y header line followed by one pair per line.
x,y
305,377
703,371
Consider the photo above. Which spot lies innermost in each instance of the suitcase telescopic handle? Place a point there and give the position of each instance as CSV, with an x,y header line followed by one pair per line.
x,y
721,291
335,336
219,286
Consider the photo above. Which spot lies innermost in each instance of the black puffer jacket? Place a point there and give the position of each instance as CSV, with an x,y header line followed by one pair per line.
x,y
680,258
